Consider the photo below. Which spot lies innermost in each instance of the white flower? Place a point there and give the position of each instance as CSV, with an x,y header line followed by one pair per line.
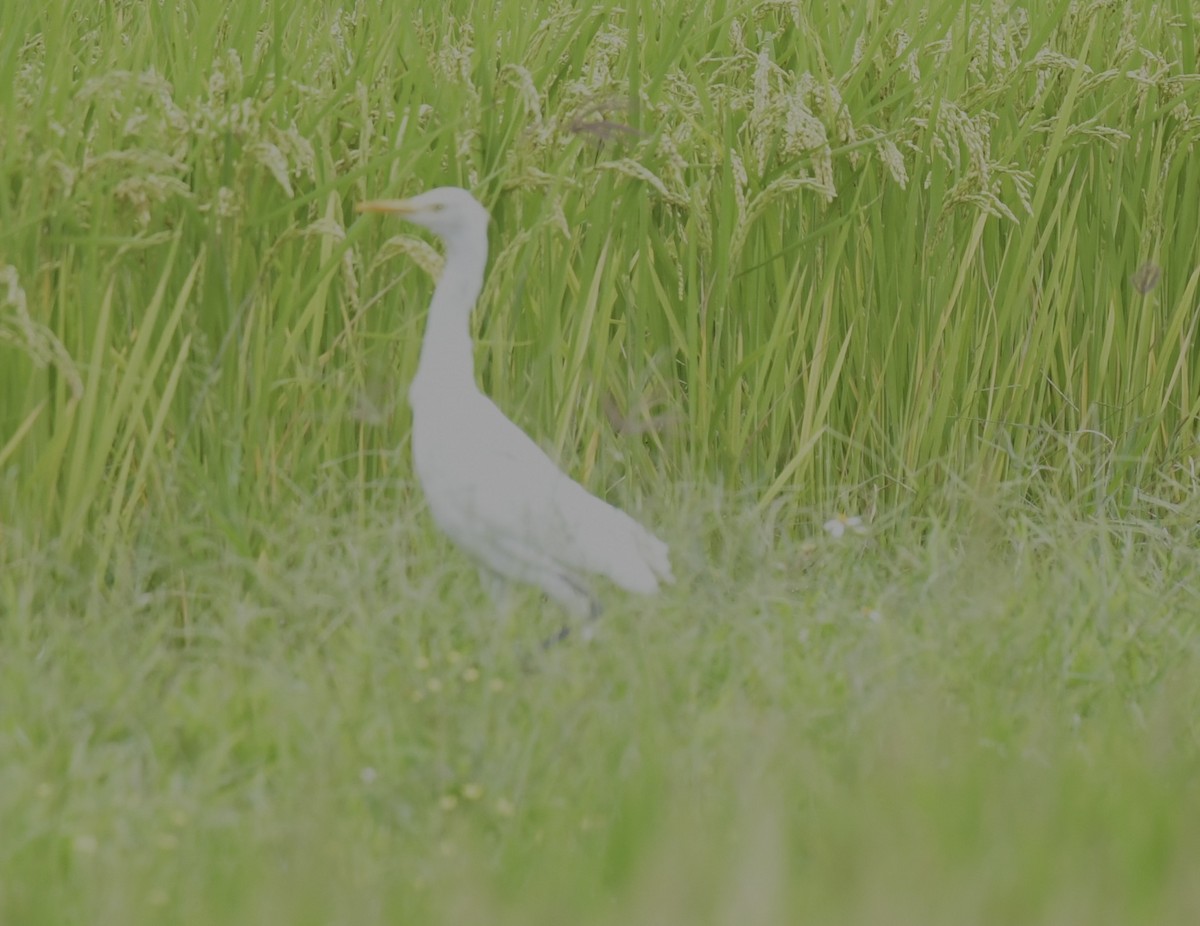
x,y
837,526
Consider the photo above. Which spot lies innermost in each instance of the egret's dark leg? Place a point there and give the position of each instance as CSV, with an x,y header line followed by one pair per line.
x,y
578,600
555,638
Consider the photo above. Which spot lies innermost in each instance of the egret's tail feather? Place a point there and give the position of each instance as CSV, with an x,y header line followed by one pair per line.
x,y
658,557
643,561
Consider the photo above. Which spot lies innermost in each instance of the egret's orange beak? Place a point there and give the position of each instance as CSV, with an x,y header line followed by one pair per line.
x,y
394,206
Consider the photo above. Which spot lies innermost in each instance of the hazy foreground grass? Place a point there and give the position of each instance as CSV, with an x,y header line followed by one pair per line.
x,y
754,264
987,722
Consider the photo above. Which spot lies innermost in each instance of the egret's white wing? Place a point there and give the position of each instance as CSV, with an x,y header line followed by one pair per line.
x,y
493,490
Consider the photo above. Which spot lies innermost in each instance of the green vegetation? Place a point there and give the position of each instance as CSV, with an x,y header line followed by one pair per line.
x,y
754,265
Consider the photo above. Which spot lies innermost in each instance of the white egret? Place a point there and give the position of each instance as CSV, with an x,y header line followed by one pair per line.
x,y
490,488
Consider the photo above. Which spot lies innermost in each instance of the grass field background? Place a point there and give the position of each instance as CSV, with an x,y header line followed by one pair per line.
x,y
756,267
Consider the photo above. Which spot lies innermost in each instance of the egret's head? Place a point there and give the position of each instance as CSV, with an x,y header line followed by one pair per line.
x,y
447,211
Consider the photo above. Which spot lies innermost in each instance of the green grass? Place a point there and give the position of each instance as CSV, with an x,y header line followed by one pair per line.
x,y
930,264
984,723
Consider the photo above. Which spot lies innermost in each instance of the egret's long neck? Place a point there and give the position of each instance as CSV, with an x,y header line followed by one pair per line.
x,y
446,355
